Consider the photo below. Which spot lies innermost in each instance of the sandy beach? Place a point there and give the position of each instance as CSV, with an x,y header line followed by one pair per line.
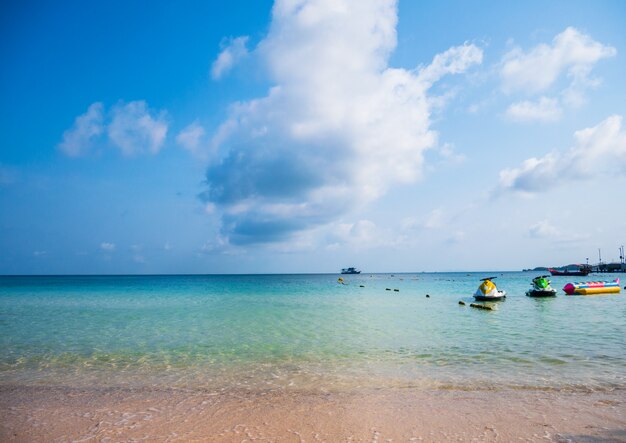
x,y
42,414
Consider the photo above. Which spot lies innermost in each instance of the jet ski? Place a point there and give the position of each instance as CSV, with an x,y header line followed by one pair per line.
x,y
487,291
541,287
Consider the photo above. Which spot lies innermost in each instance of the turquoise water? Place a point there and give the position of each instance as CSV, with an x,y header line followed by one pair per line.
x,y
307,332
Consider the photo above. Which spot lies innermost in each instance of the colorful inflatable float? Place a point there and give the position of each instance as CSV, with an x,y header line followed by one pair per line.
x,y
592,287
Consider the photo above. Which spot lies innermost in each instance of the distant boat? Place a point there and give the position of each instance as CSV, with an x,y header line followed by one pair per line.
x,y
350,271
581,271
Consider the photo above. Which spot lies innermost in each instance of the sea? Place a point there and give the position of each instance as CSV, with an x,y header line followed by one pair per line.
x,y
308,332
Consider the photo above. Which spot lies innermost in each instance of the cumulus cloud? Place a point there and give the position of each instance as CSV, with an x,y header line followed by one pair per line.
x,y
190,139
337,129
233,50
453,61
131,127
571,56
598,150
546,109
134,129
109,247
571,52
78,140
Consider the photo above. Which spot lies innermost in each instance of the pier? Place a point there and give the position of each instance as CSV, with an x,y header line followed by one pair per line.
x,y
599,267
608,267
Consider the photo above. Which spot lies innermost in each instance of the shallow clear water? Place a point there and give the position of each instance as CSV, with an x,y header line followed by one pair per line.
x,y
307,332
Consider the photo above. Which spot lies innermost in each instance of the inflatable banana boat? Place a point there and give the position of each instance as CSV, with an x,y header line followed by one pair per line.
x,y
592,287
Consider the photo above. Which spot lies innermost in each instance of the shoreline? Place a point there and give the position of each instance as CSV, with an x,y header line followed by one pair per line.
x,y
49,413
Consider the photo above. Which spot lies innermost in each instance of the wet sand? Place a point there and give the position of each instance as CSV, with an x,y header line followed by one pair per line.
x,y
43,414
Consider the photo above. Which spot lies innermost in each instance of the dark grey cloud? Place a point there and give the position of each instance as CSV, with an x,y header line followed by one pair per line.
x,y
249,172
255,228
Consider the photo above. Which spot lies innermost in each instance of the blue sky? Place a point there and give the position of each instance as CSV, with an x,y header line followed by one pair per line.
x,y
310,135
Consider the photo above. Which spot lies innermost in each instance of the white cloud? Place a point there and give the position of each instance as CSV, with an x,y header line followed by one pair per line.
x,y
574,94
364,232
360,235
571,52
543,229
190,139
109,247
39,253
338,128
78,140
447,152
546,109
534,175
598,150
233,50
571,56
455,60
134,130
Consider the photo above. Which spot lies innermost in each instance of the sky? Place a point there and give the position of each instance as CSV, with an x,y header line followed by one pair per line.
x,y
303,136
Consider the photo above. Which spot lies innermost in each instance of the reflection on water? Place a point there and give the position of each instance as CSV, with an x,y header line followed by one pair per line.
x,y
306,332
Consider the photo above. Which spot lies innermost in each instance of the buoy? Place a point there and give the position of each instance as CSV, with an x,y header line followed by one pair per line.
x,y
485,307
361,286
387,289
396,290
427,296
462,303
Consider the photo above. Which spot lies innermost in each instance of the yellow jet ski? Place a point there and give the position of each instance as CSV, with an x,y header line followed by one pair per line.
x,y
487,291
